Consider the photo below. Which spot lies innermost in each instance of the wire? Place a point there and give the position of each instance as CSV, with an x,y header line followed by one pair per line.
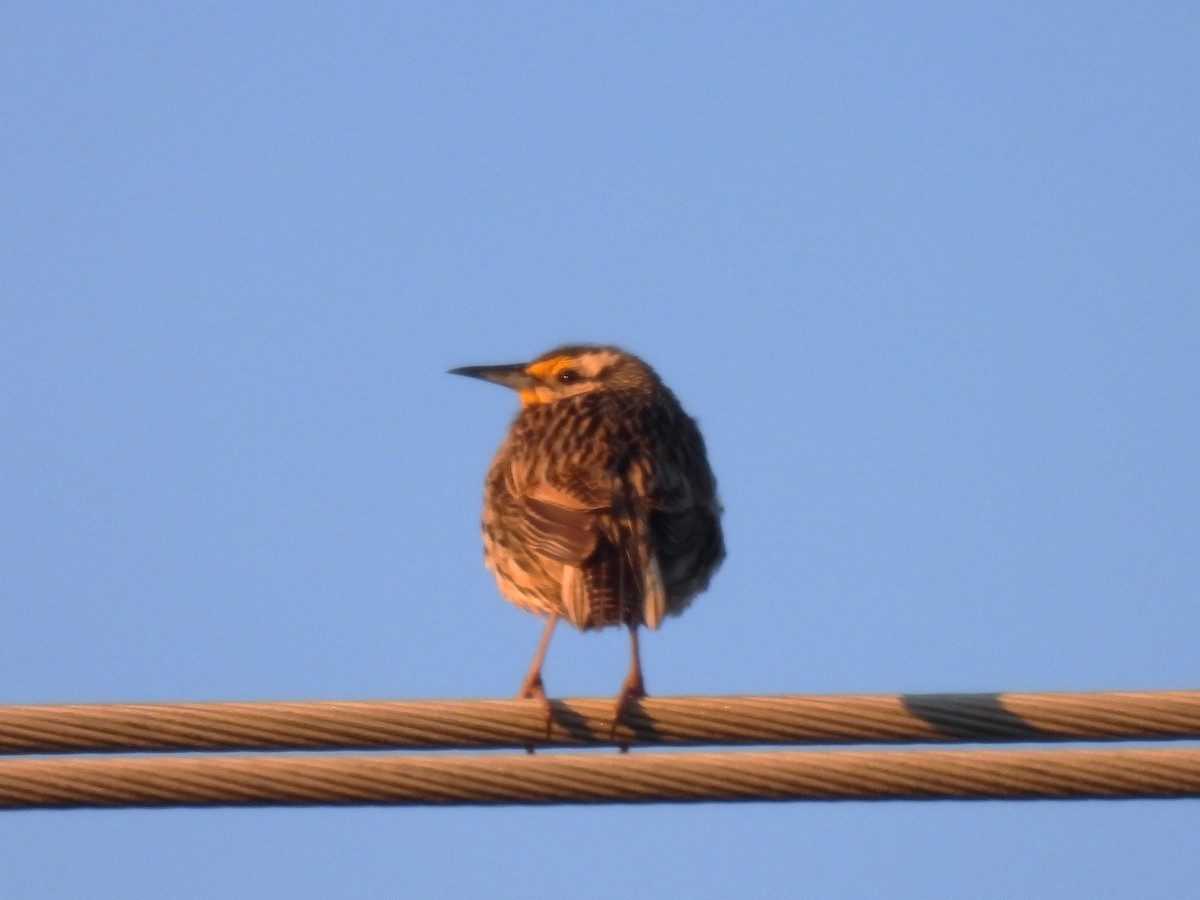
x,y
1062,773
474,724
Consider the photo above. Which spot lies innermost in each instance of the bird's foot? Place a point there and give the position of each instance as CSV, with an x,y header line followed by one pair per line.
x,y
534,689
632,690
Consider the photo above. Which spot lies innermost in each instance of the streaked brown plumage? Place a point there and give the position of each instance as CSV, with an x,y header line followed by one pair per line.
x,y
600,506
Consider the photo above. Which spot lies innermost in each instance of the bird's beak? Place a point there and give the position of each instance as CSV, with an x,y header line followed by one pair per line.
x,y
512,376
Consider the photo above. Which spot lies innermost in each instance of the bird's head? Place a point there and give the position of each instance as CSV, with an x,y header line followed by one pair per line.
x,y
567,371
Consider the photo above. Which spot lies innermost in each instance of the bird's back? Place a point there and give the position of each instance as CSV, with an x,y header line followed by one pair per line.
x,y
601,507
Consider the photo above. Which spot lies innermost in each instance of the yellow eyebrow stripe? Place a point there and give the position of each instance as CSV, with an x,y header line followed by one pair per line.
x,y
547,368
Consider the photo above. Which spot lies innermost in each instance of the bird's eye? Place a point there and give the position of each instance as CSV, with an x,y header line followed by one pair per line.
x,y
568,376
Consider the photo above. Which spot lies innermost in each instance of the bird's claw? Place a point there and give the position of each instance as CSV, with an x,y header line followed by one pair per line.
x,y
632,690
534,689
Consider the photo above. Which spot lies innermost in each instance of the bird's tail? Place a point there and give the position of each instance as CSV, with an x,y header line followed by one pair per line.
x,y
619,584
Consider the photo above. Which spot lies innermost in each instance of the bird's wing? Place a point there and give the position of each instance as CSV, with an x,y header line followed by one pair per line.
x,y
559,508
596,519
566,534
566,515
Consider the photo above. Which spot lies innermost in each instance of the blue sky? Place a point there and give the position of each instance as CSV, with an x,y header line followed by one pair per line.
x,y
926,274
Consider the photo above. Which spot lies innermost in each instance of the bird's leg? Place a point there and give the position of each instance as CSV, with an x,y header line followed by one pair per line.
x,y
633,688
532,687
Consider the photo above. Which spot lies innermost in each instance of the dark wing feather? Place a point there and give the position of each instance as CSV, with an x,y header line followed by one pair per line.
x,y
687,542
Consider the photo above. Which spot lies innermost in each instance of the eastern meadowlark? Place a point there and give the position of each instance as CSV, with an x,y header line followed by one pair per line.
x,y
600,506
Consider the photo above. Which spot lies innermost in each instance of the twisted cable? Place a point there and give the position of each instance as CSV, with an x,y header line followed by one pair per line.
x,y
474,724
1064,773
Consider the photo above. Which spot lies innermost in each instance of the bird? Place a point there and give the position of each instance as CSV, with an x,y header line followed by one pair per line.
x,y
600,506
